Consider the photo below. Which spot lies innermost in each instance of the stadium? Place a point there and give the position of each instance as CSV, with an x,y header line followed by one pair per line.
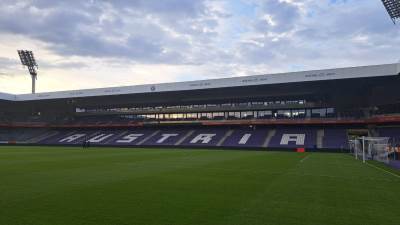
x,y
311,111
289,111
308,147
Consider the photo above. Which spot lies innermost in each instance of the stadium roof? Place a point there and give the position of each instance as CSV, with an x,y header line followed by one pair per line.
x,y
280,78
9,97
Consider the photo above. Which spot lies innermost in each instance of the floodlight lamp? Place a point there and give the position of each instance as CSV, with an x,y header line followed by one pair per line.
x,y
393,9
28,59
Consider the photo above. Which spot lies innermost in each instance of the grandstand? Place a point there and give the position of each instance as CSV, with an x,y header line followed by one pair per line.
x,y
316,110
297,148
47,179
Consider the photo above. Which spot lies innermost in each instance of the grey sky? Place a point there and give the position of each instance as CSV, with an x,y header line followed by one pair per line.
x,y
139,41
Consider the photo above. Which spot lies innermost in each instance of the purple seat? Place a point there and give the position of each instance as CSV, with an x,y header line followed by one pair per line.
x,y
167,137
70,137
205,137
392,132
130,137
290,137
335,139
246,138
285,138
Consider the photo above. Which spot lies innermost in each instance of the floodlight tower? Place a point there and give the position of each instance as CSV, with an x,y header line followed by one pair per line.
x,y
27,59
393,8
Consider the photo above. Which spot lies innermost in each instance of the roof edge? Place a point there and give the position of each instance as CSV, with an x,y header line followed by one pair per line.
x,y
277,78
7,97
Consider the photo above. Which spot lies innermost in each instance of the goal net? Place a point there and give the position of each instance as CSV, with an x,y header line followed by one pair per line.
x,y
371,148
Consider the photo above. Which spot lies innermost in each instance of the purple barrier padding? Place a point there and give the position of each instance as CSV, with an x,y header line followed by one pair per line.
x,y
309,141
256,139
395,164
170,140
335,139
215,136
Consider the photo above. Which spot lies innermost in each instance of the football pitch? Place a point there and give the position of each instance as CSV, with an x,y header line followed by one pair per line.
x,y
113,186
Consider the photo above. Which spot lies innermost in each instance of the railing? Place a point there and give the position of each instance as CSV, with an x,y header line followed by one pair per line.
x,y
202,109
310,121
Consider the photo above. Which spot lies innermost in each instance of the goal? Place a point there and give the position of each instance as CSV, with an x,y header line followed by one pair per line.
x,y
371,148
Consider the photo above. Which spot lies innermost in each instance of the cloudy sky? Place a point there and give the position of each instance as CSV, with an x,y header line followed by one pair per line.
x,y
99,43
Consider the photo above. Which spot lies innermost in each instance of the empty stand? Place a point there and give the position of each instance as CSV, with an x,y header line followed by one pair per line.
x,y
392,132
246,138
294,138
335,139
228,137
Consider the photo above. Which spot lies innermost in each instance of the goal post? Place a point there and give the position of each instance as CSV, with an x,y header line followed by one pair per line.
x,y
356,148
371,148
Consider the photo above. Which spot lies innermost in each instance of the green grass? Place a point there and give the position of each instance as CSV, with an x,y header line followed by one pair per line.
x,y
111,186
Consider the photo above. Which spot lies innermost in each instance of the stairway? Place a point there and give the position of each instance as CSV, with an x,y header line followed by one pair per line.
x,y
227,134
111,140
148,137
180,141
271,133
42,137
320,138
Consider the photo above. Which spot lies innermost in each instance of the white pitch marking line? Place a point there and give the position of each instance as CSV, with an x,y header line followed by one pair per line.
x,y
304,159
373,166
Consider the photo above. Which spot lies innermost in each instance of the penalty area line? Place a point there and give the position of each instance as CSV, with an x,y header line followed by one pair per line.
x,y
386,171
305,158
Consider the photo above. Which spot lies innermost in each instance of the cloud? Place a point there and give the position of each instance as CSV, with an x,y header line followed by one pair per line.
x,y
143,31
318,34
7,65
175,40
277,16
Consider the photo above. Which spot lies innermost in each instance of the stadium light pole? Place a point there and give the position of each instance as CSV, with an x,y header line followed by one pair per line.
x,y
28,59
393,9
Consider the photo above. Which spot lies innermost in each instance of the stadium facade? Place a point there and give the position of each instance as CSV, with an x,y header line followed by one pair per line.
x,y
315,110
